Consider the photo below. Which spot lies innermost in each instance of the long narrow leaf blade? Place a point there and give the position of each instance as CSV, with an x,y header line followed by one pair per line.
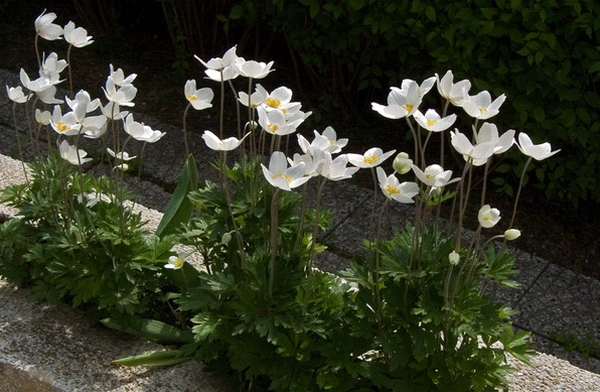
x,y
157,358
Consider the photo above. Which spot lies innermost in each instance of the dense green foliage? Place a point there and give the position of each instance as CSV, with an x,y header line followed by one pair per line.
x,y
76,242
544,54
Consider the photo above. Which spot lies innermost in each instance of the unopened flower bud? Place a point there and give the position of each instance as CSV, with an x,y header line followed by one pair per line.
x,y
402,163
253,125
512,234
454,258
226,238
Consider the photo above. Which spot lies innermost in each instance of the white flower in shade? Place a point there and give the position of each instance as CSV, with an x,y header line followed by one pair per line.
x,y
252,69
453,92
278,99
214,143
52,67
319,143
423,88
488,217
309,163
42,117
454,258
489,133
199,98
371,158
481,106
71,153
83,101
66,125
432,121
536,151
17,95
139,131
334,145
119,78
476,155
281,176
175,262
121,96
256,99
275,123
112,111
333,169
36,85
121,156
76,36
218,63
94,127
394,190
47,96
45,28
402,163
401,102
512,234
434,176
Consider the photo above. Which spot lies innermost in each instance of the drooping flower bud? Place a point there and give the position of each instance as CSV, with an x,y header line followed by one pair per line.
x,y
454,257
402,163
512,234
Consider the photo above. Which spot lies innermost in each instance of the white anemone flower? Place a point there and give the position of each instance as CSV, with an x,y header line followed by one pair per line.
x,y
42,117
36,85
256,99
94,127
76,36
432,121
84,100
275,123
223,75
309,164
71,153
199,98
47,95
175,262
401,102
476,155
394,190
139,131
112,111
121,155
252,69
481,106
281,176
218,63
536,151
66,124
119,78
489,133
45,28
488,217
434,176
121,96
214,143
333,169
335,145
52,67
278,99
402,163
423,88
371,158
453,92
17,95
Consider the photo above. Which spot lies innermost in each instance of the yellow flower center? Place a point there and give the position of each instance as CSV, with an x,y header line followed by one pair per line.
x,y
482,110
370,159
273,102
408,107
61,126
429,176
191,97
287,178
331,143
431,122
392,190
178,263
273,127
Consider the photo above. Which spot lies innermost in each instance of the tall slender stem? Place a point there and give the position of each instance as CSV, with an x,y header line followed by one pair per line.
x,y
514,213
185,137
274,240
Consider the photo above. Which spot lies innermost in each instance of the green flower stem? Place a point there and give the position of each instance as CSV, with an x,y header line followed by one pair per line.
x,y
37,51
443,134
185,137
221,106
462,205
485,174
315,226
274,240
416,142
514,212
19,145
70,69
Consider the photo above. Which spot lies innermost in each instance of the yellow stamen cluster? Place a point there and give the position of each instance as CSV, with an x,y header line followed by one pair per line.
x,y
178,263
62,127
287,178
408,107
370,159
273,102
431,122
482,110
429,176
392,190
191,97
273,127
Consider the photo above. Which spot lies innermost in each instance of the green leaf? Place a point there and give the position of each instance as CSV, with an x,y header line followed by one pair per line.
x,y
180,207
430,13
237,11
157,358
149,329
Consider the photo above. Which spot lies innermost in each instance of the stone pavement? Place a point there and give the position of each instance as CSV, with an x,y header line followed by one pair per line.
x,y
551,299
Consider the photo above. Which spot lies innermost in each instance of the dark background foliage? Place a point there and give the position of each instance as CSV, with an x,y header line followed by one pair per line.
x,y
338,56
